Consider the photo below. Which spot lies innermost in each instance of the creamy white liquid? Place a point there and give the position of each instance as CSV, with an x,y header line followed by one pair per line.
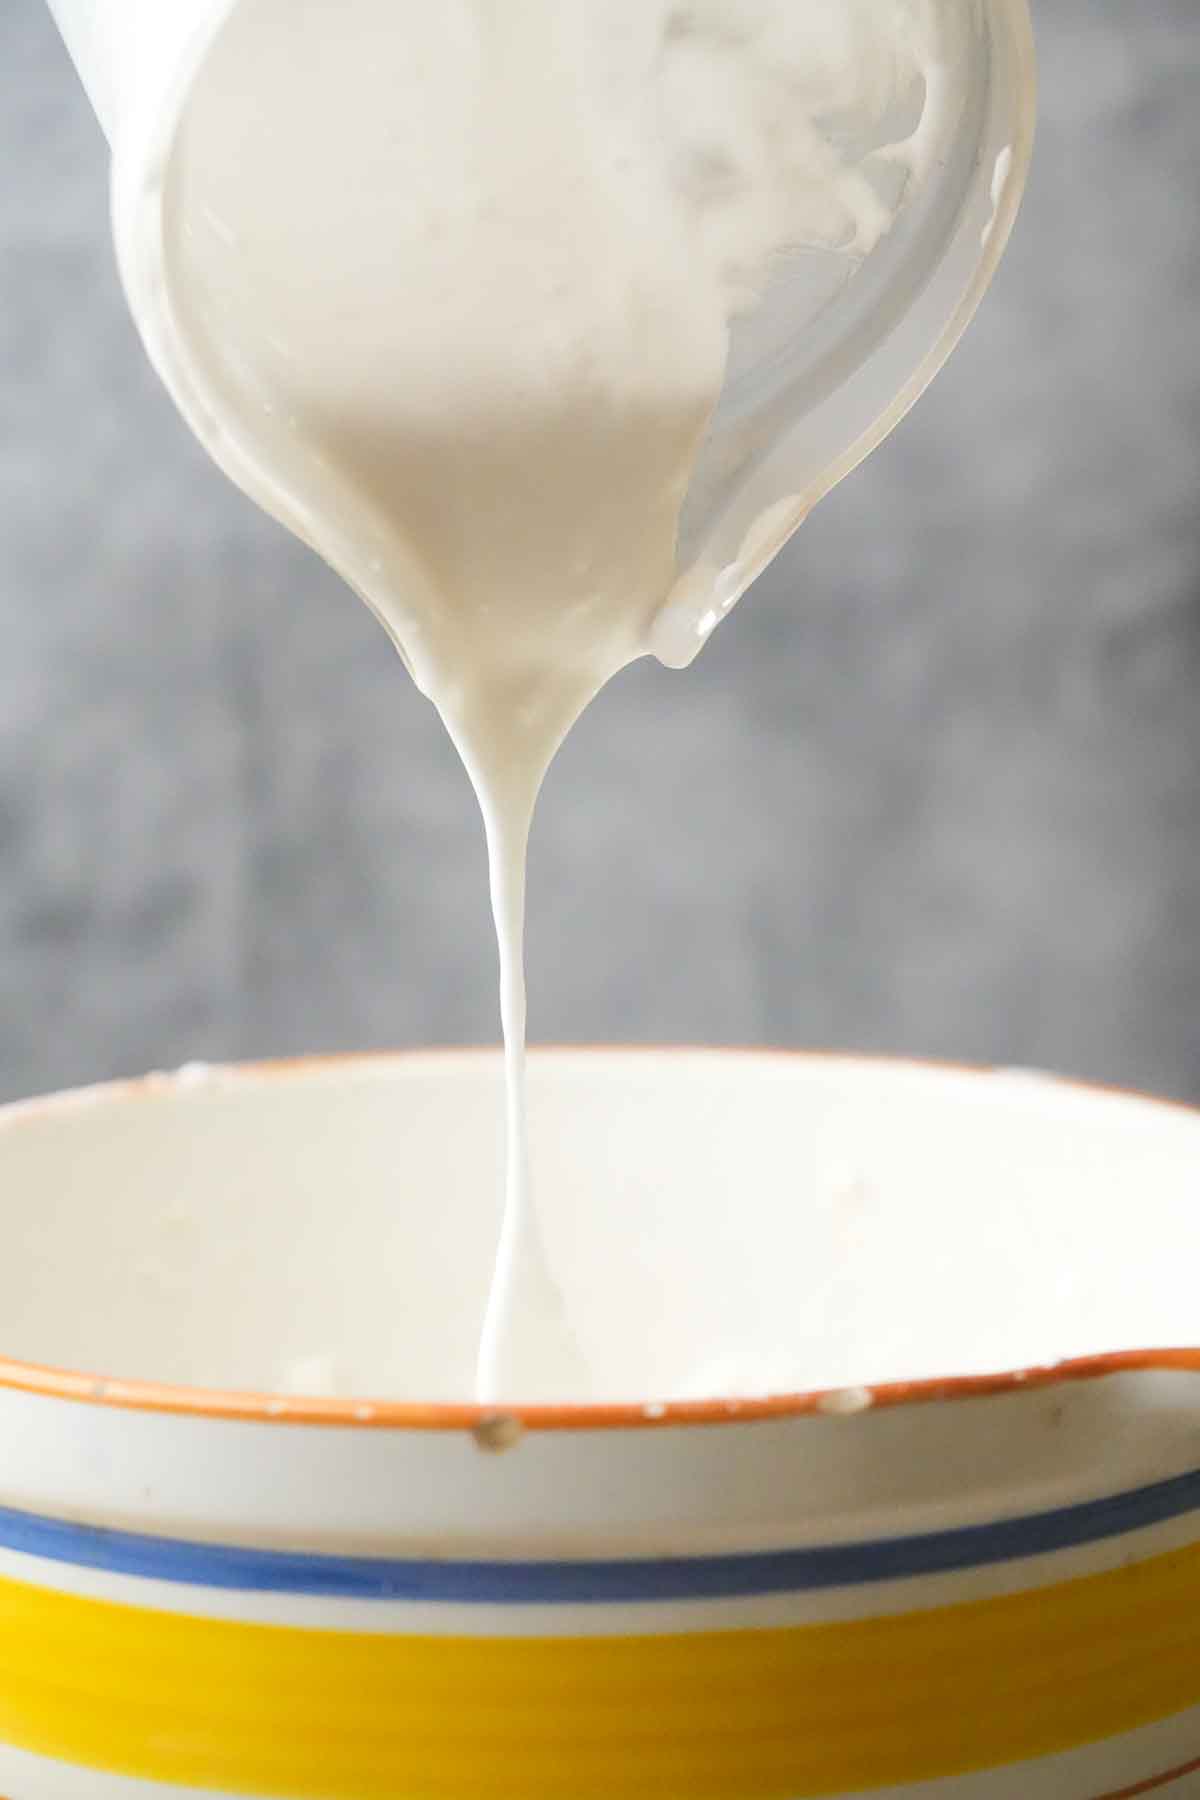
x,y
464,276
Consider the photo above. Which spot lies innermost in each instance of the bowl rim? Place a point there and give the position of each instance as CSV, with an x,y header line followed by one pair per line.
x,y
147,1396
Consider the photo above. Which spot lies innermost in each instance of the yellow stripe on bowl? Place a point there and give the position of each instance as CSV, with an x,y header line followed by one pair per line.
x,y
737,1715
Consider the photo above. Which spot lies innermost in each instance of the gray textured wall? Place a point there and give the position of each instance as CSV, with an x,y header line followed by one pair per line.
x,y
935,789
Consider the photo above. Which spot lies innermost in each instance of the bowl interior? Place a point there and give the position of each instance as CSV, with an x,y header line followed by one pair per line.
x,y
721,1223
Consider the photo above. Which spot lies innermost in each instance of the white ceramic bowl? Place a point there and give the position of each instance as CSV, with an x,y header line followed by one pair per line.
x,y
980,1584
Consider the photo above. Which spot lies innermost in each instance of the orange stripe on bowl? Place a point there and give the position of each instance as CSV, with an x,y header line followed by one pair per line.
x,y
1155,1782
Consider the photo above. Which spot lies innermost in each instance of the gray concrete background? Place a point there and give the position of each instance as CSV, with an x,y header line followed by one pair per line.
x,y
936,788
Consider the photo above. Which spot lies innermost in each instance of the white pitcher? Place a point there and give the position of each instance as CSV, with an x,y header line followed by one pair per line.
x,y
129,52
795,416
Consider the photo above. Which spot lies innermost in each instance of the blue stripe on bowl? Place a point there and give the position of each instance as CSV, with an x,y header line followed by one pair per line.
x,y
622,1580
